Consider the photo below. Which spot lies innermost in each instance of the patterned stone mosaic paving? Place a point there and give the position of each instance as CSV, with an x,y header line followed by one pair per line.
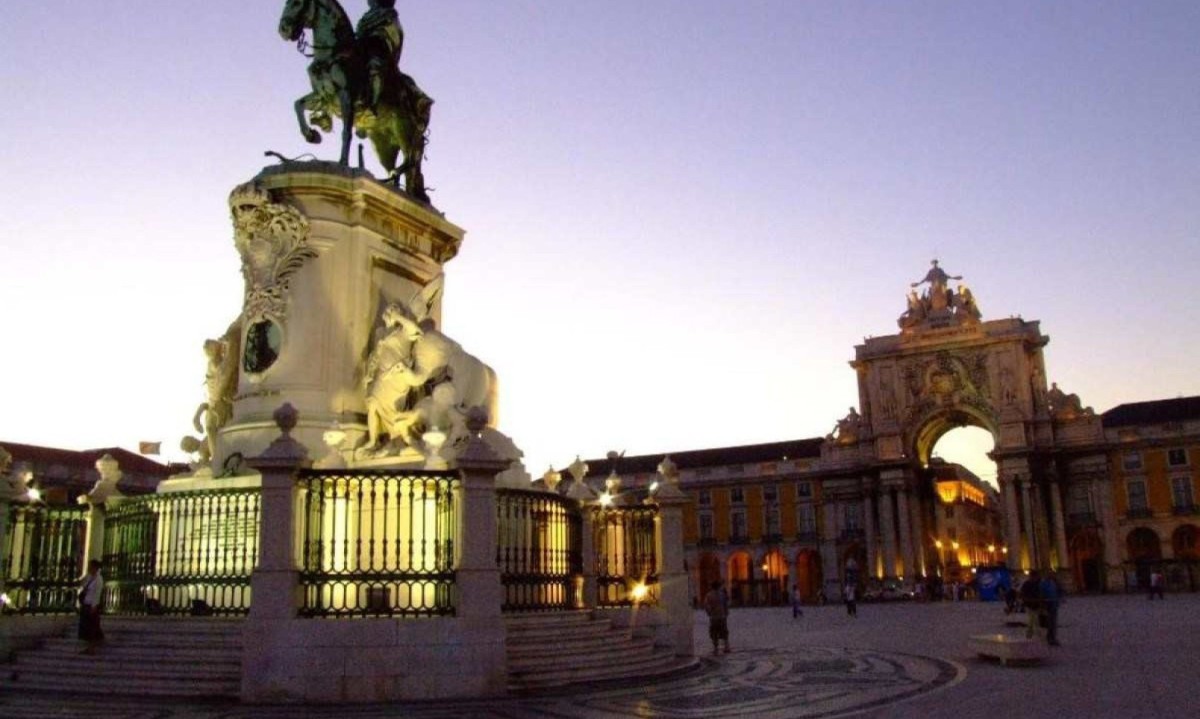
x,y
771,684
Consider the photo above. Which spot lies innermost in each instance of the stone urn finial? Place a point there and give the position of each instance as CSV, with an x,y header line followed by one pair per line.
x,y
552,478
668,470
285,418
477,419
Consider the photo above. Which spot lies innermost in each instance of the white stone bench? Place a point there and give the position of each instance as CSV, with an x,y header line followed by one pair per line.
x,y
1008,648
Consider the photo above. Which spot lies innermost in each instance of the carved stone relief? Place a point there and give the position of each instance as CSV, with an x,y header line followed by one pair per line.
x,y
947,379
272,239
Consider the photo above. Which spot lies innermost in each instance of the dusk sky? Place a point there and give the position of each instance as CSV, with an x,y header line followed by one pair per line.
x,y
681,215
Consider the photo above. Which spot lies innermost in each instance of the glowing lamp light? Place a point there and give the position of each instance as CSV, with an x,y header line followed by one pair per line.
x,y
653,487
954,544
1004,550
606,500
991,547
4,600
34,494
938,544
639,592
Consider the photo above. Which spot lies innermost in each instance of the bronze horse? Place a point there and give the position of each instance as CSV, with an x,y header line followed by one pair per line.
x,y
398,123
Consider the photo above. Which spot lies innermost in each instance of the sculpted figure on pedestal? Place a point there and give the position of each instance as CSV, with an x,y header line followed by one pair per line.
x,y
846,430
220,384
105,487
389,384
14,481
915,312
964,305
938,294
418,379
1065,406
355,75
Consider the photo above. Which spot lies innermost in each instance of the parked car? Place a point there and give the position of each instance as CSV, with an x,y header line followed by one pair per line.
x,y
889,592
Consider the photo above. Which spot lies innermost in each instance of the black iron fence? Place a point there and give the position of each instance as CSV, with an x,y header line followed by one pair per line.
x,y
181,552
626,565
43,558
538,550
378,543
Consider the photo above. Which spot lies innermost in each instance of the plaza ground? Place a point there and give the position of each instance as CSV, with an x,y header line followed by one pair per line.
x,y
1121,656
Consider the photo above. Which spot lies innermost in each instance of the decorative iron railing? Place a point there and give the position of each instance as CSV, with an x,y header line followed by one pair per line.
x,y
538,550
378,543
42,558
626,565
181,552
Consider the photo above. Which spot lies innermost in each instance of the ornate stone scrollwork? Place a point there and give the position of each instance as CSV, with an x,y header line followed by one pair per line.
x,y
948,379
272,239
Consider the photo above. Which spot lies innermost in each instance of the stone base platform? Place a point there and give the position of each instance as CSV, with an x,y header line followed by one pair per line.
x,y
1008,648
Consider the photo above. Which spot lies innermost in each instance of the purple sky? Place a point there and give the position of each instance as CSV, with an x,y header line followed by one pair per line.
x,y
681,215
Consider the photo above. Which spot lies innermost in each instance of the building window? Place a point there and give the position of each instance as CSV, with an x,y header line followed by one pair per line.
x,y
1131,461
738,523
706,526
1079,499
1177,458
772,521
852,514
737,496
1181,492
804,490
806,516
1136,488
770,495
705,498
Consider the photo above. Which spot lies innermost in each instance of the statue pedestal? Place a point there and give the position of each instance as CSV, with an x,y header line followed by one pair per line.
x,y
309,315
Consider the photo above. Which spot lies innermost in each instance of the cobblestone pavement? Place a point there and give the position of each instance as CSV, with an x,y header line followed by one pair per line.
x,y
1122,657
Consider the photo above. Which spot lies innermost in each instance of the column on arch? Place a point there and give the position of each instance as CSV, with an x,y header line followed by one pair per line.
x,y
887,526
1010,472
906,539
869,531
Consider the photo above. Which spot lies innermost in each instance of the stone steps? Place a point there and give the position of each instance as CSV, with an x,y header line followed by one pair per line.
x,y
555,650
160,657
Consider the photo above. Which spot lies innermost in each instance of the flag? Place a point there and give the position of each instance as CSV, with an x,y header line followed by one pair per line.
x,y
149,447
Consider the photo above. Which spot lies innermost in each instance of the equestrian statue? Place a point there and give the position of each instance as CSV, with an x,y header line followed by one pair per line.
x,y
355,76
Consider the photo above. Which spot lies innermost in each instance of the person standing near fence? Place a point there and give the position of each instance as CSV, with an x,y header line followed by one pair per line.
x,y
716,605
91,593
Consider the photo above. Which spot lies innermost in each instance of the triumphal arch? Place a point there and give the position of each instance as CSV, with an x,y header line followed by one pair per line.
x,y
948,367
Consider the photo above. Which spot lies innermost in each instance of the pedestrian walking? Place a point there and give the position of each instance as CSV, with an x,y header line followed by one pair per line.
x,y
850,593
91,592
716,605
797,600
1051,599
1031,599
1156,584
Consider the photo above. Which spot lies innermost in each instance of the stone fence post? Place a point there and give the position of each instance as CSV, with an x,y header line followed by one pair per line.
x,y
480,593
673,595
275,581
586,586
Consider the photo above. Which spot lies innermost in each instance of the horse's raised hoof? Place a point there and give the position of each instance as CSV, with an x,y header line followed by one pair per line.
x,y
313,136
